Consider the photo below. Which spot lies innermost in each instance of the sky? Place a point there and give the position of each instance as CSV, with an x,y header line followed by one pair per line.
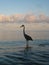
x,y
9,7
34,14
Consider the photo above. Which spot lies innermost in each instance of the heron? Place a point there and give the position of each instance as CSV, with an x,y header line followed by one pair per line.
x,y
27,37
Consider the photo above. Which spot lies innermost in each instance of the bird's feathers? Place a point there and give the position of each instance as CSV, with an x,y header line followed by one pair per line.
x,y
27,37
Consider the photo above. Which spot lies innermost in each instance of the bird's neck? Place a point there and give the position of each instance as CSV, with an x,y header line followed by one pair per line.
x,y
24,30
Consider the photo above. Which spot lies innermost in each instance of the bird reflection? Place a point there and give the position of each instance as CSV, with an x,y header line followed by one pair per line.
x,y
27,52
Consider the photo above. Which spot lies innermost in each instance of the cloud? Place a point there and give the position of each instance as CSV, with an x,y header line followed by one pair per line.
x,y
4,18
44,18
11,18
27,18
30,18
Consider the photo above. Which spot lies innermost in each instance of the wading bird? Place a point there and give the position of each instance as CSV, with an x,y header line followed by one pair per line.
x,y
27,37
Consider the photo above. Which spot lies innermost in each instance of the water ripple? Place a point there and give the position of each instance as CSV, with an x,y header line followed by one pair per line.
x,y
24,56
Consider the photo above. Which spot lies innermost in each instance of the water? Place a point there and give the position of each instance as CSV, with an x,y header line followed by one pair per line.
x,y
15,53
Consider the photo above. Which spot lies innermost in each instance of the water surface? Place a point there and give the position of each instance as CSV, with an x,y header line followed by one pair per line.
x,y
16,53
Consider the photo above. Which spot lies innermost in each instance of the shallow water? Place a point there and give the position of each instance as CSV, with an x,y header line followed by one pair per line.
x,y
16,53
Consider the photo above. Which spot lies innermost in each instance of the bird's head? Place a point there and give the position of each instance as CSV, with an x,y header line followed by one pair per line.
x,y
22,26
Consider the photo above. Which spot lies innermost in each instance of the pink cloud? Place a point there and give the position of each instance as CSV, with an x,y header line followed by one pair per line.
x,y
42,16
25,18
30,18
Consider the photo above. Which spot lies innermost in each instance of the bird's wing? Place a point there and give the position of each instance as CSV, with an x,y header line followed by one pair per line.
x,y
28,37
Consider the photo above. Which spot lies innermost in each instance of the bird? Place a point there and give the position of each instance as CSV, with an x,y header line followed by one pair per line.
x,y
27,37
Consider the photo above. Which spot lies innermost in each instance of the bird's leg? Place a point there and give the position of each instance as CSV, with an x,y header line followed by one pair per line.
x,y
27,44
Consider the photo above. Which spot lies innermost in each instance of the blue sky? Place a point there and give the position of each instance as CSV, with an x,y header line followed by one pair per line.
x,y
9,7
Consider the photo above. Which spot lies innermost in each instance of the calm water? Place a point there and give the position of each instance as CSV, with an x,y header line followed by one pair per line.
x,y
15,53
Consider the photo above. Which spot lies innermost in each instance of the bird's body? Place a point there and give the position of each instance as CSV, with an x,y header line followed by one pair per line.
x,y
27,37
